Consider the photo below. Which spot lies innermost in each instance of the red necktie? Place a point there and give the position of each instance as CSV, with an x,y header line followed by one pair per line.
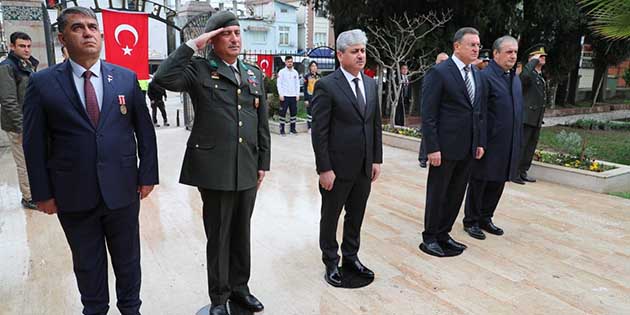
x,y
91,102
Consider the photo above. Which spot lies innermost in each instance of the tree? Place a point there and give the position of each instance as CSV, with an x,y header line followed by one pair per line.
x,y
606,53
558,25
611,18
395,43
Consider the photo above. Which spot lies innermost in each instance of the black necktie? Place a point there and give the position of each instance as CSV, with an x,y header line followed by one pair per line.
x,y
360,99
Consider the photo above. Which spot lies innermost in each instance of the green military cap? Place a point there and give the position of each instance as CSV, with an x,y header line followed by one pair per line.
x,y
537,49
221,19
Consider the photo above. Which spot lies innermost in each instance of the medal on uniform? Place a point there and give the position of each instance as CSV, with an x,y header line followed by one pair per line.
x,y
123,104
256,102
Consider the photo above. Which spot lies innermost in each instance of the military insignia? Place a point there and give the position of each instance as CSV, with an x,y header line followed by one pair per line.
x,y
123,109
250,72
251,78
256,102
214,64
215,75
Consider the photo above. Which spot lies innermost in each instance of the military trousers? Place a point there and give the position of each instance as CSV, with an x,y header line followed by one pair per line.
x,y
530,141
20,163
226,219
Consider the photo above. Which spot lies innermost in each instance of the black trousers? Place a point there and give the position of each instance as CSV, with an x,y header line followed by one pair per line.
x,y
154,107
530,141
446,186
87,233
399,118
422,153
290,103
226,219
351,195
482,199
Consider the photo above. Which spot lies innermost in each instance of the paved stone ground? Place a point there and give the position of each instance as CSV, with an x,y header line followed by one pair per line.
x,y
613,115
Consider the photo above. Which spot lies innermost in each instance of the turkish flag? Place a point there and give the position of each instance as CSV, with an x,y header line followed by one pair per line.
x,y
127,40
265,62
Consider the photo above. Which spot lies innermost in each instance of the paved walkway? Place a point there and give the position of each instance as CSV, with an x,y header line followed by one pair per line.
x,y
613,115
565,251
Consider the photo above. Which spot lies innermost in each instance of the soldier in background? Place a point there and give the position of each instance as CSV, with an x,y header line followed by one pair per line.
x,y
535,97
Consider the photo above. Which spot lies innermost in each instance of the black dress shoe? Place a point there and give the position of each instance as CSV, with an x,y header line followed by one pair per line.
x,y
432,248
423,164
475,232
220,309
518,180
247,301
452,245
357,267
527,178
491,228
333,276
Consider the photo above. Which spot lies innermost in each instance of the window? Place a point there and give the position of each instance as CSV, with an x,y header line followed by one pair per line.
x,y
320,39
284,10
283,32
258,36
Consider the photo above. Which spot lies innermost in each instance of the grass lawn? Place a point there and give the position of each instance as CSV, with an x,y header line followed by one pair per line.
x,y
621,194
611,146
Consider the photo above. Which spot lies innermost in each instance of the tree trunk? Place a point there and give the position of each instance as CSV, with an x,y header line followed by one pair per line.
x,y
573,84
553,88
599,78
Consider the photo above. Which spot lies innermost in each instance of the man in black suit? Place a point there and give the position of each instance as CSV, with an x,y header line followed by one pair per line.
x,y
503,127
422,153
453,132
346,138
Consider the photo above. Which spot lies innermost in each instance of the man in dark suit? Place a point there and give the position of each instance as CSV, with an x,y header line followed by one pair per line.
x,y
533,110
405,96
503,149
348,149
228,151
453,130
422,153
85,124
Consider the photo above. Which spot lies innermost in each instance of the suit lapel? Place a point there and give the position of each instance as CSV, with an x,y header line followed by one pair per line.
x,y
347,90
458,78
66,81
369,92
108,92
223,69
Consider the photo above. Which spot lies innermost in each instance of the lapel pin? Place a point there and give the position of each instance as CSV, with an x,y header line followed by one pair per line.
x,y
109,78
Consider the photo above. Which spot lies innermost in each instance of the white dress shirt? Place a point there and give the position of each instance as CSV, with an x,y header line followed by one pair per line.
x,y
351,78
460,65
288,82
96,79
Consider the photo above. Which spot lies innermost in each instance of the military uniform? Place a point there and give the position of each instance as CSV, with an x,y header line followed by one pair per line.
x,y
533,110
228,145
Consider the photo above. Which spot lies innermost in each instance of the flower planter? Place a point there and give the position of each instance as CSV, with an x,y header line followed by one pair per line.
x,y
615,180
400,141
300,126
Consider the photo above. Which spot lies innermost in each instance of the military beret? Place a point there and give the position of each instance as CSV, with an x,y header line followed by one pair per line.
x,y
484,55
221,19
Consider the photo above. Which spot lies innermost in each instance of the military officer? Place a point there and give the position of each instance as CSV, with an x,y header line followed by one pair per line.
x,y
534,97
228,151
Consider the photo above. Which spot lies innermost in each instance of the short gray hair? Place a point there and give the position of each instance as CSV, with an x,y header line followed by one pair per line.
x,y
499,41
62,19
350,38
462,32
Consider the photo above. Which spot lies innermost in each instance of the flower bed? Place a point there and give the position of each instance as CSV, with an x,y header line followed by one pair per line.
x,y
567,160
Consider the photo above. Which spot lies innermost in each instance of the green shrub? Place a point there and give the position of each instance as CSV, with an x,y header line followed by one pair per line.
x,y
626,77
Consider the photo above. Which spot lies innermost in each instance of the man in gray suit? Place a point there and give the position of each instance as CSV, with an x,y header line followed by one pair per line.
x,y
348,152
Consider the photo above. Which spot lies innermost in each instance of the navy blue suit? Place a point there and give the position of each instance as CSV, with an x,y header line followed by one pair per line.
x,y
504,119
453,124
93,174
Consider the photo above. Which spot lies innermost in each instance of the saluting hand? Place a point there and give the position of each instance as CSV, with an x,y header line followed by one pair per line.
x,y
206,38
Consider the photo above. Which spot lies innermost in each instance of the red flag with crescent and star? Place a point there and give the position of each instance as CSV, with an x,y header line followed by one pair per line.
x,y
265,62
127,40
